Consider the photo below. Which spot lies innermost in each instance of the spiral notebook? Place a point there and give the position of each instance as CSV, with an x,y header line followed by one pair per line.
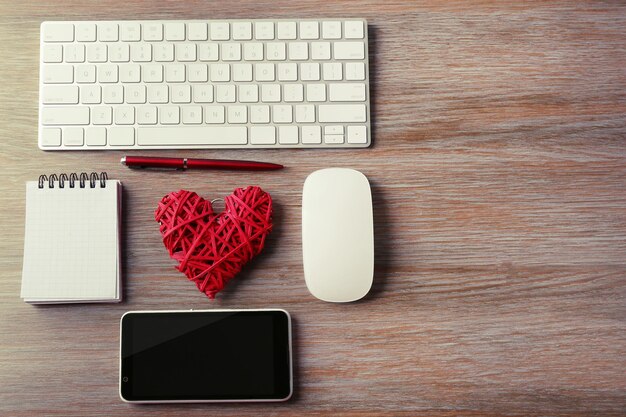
x,y
72,239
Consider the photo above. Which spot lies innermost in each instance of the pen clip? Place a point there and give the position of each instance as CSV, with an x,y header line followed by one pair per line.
x,y
155,168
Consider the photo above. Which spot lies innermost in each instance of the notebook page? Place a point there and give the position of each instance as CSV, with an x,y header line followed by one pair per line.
x,y
71,243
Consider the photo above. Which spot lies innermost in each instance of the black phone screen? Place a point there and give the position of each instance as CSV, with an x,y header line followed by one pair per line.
x,y
206,356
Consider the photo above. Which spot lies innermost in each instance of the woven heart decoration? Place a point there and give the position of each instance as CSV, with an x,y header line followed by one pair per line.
x,y
212,248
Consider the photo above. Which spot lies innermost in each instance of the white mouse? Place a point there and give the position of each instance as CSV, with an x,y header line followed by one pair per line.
x,y
337,234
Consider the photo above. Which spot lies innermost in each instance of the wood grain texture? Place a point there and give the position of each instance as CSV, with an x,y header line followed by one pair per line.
x,y
499,183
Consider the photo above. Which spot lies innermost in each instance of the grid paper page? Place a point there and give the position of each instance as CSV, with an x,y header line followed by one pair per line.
x,y
71,243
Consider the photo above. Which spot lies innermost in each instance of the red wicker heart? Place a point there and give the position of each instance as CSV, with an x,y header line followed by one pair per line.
x,y
212,248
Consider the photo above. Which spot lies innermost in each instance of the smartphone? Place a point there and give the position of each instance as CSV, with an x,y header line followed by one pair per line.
x,y
205,356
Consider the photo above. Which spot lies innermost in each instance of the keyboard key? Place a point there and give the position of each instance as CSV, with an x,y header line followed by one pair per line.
x,y
163,52
242,31
152,73
262,135
197,73
309,30
298,51
203,93
331,30
346,92
231,51
264,30
333,130
86,32
175,31
147,115
53,53
248,93
293,93
220,31
220,72
135,94
107,73
320,50
113,94
253,51
288,135
311,134
192,135
174,73
169,115
349,50
181,94
353,29
74,53
192,115
130,73
65,94
108,32
332,71
225,93
242,72
316,92
73,136
102,115
260,114
158,94
310,71
90,94
85,73
288,72
58,74
95,136
208,52
305,113
130,32
197,31
124,115
214,114
51,137
186,52
76,115
264,72
282,113
276,51
96,53
355,71
287,30
119,52
237,114
121,136
333,139
342,113
357,134
57,32
152,31
141,52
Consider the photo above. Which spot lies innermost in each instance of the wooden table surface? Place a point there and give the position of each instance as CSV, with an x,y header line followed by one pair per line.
x,y
498,173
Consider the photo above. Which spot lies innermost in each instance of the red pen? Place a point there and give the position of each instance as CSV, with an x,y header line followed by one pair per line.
x,y
193,163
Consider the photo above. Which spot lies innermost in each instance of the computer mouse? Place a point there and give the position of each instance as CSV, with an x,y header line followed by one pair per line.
x,y
337,234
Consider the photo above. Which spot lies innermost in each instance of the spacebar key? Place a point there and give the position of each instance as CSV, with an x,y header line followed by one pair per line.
x,y
192,135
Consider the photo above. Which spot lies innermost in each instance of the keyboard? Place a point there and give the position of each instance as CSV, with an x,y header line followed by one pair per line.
x,y
203,84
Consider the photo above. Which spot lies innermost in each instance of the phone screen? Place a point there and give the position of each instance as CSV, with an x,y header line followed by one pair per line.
x,y
206,356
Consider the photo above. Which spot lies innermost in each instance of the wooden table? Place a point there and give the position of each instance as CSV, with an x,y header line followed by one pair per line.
x,y
499,186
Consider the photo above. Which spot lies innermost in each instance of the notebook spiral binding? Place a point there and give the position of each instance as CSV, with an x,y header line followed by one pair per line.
x,y
83,179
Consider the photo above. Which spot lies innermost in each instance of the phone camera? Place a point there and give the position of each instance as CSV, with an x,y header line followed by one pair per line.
x,y
125,379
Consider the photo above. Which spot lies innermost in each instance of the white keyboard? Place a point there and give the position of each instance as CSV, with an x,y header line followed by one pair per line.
x,y
204,84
